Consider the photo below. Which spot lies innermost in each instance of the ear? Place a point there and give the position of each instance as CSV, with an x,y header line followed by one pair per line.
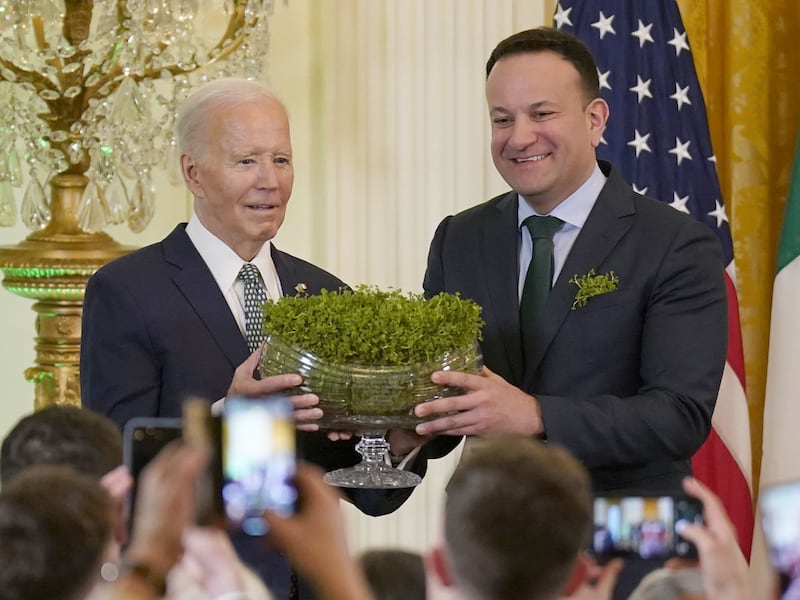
x,y
189,169
597,112
437,564
578,576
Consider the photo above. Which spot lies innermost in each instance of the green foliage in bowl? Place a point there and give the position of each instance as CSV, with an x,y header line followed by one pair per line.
x,y
368,354
372,327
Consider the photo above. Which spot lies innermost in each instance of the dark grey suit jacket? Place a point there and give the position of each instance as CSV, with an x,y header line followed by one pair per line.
x,y
628,383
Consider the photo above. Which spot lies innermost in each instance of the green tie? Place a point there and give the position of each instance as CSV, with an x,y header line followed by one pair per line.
x,y
539,278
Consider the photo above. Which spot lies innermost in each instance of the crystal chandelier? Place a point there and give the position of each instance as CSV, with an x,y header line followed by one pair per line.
x,y
92,87
88,96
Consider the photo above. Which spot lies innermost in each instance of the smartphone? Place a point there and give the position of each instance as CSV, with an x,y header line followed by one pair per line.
x,y
779,506
204,430
142,439
647,527
258,461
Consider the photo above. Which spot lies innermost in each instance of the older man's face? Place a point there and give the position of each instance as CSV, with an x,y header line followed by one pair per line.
x,y
243,177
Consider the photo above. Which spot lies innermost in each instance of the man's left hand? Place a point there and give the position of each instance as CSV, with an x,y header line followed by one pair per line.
x,y
490,406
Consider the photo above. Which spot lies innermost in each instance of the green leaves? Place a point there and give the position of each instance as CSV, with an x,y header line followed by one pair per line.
x,y
369,326
591,285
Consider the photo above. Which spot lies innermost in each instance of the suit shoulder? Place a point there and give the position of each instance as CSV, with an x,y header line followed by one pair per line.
x,y
307,270
490,206
138,260
666,217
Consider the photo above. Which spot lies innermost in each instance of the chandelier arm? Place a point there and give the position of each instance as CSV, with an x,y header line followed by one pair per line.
x,y
37,80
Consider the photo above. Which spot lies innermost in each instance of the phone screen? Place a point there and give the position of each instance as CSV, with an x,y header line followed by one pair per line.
x,y
258,461
780,516
142,439
647,527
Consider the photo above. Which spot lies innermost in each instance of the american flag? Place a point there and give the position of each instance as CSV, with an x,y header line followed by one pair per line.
x,y
658,137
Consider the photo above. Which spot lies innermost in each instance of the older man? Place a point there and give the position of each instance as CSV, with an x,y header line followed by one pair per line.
x,y
172,319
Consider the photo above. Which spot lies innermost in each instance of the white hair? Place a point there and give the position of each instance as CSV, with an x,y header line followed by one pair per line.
x,y
194,111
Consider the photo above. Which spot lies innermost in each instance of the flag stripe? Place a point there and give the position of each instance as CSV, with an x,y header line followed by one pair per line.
x,y
729,483
735,355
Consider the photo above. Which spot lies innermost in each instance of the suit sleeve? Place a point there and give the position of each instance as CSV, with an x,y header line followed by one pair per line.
x,y
120,377
681,359
434,283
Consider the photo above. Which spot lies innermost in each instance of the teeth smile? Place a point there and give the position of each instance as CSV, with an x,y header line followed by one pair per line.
x,y
536,158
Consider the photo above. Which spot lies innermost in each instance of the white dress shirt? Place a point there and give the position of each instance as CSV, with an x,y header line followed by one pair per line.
x,y
225,265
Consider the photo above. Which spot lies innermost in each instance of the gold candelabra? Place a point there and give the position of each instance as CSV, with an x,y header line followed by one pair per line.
x,y
88,97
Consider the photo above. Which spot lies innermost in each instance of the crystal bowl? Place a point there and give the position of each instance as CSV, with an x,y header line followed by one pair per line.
x,y
363,398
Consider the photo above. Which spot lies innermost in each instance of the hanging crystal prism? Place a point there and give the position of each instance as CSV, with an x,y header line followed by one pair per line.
x,y
8,207
117,204
13,168
35,209
104,163
142,205
91,213
173,163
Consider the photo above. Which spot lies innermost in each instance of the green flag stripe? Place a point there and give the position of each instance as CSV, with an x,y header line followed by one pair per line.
x,y
789,248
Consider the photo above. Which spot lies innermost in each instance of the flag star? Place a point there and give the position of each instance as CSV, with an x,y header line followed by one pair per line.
x,y
640,142
603,77
642,88
712,159
681,95
643,33
603,139
718,213
562,16
603,25
642,191
679,203
681,150
679,41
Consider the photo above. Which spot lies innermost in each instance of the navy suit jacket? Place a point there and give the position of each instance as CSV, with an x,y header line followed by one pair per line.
x,y
156,329
628,383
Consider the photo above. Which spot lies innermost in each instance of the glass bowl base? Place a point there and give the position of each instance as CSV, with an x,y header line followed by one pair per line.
x,y
372,476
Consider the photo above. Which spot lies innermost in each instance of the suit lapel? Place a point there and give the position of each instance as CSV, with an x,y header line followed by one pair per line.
x,y
610,218
201,291
287,274
499,247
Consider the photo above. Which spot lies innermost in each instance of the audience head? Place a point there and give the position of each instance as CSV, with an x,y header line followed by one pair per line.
x,y
62,435
516,519
236,159
670,584
55,529
394,574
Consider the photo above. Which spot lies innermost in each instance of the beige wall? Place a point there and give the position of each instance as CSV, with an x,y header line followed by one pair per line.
x,y
390,136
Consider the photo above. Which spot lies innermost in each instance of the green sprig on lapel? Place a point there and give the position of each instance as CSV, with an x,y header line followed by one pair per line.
x,y
591,285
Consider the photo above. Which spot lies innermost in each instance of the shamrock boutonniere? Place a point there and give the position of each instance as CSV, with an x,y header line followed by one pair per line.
x,y
301,289
591,285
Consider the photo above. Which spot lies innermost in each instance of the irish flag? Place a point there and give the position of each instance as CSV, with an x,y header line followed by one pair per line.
x,y
781,458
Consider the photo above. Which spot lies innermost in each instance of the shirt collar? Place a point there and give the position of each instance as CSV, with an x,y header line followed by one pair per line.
x,y
575,208
222,261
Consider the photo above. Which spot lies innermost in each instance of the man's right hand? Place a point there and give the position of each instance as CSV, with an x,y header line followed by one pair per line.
x,y
244,384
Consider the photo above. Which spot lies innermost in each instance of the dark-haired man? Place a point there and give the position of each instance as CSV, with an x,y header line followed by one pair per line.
x,y
622,359
605,310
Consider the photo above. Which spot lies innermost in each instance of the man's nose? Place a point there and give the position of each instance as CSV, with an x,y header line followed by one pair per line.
x,y
524,132
267,175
